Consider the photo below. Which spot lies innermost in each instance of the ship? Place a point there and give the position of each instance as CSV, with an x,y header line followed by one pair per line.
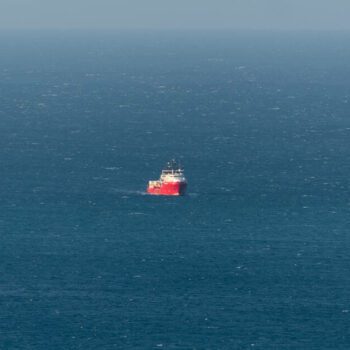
x,y
172,181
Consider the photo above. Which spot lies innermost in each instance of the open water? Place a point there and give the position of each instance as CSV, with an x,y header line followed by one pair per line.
x,y
255,256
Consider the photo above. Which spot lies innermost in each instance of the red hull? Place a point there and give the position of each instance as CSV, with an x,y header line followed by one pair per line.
x,y
168,189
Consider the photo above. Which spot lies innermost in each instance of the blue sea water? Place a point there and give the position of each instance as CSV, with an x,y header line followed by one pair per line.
x,y
255,256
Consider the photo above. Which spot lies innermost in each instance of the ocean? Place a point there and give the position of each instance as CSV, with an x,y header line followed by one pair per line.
x,y
254,256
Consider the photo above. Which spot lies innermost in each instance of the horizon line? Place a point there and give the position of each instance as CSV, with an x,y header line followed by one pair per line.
x,y
175,29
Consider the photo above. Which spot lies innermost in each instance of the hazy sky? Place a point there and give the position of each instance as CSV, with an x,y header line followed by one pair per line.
x,y
168,14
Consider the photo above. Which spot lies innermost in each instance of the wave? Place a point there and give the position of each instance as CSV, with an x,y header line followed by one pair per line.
x,y
128,192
